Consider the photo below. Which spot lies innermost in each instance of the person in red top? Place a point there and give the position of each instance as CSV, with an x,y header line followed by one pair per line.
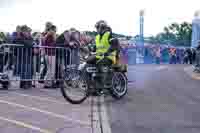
x,y
49,42
172,52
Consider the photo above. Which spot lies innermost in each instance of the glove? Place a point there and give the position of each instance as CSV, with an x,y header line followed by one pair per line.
x,y
106,54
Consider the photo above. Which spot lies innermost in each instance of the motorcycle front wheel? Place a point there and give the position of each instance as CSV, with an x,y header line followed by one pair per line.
x,y
119,85
74,87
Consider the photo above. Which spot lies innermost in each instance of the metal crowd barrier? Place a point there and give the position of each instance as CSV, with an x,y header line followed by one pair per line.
x,y
35,63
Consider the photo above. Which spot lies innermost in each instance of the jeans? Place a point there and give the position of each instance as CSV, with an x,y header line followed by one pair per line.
x,y
157,60
50,75
173,59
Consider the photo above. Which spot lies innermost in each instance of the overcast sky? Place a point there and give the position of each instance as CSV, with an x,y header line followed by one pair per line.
x,y
122,15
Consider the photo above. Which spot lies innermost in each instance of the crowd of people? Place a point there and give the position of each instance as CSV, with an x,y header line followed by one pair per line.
x,y
40,52
169,55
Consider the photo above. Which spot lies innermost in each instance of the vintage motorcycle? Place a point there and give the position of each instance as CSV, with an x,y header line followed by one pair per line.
x,y
81,81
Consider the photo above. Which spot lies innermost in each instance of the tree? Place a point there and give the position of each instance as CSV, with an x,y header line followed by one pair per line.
x,y
152,40
175,34
182,33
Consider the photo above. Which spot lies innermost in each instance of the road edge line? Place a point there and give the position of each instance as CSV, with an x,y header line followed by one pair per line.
x,y
25,125
52,114
47,99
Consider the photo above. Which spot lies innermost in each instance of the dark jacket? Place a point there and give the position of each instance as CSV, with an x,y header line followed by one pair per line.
x,y
24,55
49,41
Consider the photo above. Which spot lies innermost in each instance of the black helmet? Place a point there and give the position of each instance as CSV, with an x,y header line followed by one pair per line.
x,y
101,24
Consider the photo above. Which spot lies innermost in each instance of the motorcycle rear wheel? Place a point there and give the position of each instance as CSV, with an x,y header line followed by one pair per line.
x,y
119,85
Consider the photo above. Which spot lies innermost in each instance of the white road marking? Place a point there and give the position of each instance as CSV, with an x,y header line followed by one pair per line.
x,y
49,90
45,112
25,125
41,98
105,120
56,91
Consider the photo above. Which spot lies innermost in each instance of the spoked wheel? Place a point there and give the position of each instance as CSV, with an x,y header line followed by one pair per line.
x,y
75,88
119,85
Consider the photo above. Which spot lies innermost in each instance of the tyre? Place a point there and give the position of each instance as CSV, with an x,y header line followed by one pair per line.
x,y
74,87
5,85
119,85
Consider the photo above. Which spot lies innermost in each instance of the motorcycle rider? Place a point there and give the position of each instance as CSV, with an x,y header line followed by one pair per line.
x,y
105,45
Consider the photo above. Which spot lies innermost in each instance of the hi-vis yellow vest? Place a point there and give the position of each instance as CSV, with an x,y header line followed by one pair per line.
x,y
102,46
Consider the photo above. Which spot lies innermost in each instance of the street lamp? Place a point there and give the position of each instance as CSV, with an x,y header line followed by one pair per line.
x,y
141,13
197,14
195,29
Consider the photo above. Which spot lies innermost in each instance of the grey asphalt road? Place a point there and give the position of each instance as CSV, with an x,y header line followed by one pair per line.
x,y
42,111
161,99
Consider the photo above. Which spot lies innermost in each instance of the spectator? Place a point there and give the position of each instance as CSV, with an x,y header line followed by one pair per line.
x,y
74,44
158,55
165,55
188,53
193,55
49,41
68,40
37,42
8,38
62,54
146,55
2,38
1,52
24,54
17,34
172,55
182,55
8,58
86,39
48,27
178,56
